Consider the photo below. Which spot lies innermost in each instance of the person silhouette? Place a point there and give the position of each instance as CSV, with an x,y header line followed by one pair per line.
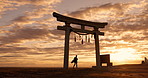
x,y
75,61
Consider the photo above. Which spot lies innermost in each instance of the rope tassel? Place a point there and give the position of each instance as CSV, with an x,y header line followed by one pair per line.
x,y
75,39
86,38
89,40
82,41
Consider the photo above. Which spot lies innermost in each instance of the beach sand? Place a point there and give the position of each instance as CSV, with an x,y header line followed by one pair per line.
x,y
122,71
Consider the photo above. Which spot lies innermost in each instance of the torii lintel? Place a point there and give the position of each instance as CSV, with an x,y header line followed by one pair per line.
x,y
71,20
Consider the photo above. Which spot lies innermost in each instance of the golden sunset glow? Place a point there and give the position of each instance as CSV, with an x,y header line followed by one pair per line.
x,y
29,35
124,55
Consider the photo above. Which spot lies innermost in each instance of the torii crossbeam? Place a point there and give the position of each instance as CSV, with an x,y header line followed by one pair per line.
x,y
67,28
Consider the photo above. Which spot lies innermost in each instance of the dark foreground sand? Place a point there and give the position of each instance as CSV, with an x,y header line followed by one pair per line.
x,y
124,71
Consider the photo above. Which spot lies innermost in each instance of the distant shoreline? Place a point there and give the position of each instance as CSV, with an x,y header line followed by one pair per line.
x,y
78,67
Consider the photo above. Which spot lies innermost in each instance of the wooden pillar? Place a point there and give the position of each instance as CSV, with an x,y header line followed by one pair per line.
x,y
66,47
98,61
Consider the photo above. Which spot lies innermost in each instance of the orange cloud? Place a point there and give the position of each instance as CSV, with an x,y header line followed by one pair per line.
x,y
127,26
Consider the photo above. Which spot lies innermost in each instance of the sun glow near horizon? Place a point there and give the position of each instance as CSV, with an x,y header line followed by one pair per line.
x,y
125,55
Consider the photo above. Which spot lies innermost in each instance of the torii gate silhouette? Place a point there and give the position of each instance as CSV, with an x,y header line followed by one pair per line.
x,y
67,28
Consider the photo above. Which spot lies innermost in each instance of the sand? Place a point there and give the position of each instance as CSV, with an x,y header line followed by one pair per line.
x,y
123,71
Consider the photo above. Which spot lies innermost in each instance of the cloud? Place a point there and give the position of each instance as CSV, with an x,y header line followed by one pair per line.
x,y
4,4
127,24
12,55
22,26
27,31
41,8
99,12
12,49
19,35
38,2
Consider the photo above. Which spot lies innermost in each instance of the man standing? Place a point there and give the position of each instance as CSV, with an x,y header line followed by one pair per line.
x,y
75,61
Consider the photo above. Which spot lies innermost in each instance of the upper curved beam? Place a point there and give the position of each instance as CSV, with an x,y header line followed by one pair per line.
x,y
70,20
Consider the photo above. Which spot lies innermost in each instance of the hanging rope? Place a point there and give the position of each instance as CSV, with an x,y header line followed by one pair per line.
x,y
86,38
80,33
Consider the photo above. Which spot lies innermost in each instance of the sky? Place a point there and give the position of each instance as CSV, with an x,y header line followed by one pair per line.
x,y
29,35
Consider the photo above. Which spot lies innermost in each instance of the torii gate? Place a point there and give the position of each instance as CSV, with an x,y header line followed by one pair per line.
x,y
67,28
